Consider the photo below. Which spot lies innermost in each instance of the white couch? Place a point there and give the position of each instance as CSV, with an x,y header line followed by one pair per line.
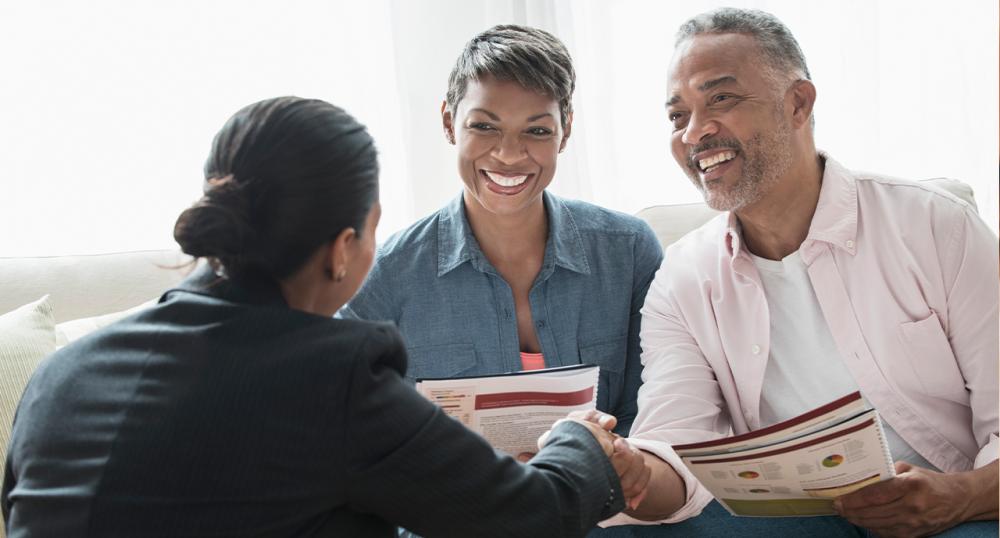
x,y
85,293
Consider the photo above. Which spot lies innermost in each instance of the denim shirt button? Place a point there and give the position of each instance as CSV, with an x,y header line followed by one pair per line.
x,y
541,324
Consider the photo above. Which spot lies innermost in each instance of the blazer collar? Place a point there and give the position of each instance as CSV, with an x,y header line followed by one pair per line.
x,y
254,289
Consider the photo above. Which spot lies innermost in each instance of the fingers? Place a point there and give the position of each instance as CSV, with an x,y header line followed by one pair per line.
x,y
907,479
604,420
608,422
872,511
632,471
629,463
637,500
543,439
874,495
927,504
603,437
597,422
877,517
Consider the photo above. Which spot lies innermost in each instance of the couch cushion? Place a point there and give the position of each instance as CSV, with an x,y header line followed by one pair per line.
x,y
27,335
85,286
69,331
673,221
956,187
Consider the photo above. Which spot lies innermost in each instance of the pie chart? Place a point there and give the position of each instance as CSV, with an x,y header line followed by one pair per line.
x,y
833,460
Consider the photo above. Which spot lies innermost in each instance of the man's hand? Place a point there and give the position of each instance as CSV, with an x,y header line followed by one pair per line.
x,y
917,501
632,471
629,463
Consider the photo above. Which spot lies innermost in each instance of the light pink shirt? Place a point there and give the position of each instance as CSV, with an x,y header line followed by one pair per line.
x,y
907,279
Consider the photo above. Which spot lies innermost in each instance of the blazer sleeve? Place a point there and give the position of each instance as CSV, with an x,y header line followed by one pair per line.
x,y
8,486
414,466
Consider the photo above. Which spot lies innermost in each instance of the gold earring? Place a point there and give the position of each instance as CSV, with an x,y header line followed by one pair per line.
x,y
341,275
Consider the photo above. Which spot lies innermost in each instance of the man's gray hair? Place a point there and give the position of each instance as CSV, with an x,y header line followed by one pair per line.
x,y
777,44
533,58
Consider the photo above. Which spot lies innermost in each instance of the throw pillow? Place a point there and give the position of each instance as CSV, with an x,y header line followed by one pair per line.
x,y
69,331
27,335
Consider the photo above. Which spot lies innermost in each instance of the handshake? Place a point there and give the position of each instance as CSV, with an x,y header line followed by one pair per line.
x,y
630,464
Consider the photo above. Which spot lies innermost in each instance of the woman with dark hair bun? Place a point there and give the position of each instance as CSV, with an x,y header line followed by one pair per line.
x,y
239,407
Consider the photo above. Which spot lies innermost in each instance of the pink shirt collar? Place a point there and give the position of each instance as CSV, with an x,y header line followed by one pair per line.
x,y
835,220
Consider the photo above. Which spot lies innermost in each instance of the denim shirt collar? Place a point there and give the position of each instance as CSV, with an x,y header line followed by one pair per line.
x,y
564,246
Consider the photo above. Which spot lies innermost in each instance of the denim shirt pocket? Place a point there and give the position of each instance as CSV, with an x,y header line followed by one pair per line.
x,y
610,355
932,360
440,360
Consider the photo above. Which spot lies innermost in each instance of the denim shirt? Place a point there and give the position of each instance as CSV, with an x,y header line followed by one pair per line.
x,y
457,313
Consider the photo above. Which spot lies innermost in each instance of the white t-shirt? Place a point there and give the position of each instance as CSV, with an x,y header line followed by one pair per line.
x,y
804,368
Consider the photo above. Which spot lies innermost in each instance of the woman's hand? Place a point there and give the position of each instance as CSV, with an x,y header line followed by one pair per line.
x,y
599,424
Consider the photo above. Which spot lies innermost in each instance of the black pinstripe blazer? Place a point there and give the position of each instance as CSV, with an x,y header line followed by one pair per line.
x,y
222,412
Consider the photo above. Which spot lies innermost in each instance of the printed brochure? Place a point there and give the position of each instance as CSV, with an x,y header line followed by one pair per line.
x,y
796,467
512,410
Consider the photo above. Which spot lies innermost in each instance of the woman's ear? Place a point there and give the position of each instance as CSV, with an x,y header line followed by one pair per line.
x,y
339,253
566,132
448,122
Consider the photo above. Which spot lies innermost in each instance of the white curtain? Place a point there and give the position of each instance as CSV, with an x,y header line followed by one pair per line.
x,y
107,108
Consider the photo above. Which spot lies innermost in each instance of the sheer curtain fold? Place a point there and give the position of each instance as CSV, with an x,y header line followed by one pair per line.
x,y
904,89
107,109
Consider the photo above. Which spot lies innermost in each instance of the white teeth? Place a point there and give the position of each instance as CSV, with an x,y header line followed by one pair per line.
x,y
710,162
505,181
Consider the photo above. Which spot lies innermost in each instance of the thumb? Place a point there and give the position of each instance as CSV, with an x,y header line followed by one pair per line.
x,y
902,467
543,438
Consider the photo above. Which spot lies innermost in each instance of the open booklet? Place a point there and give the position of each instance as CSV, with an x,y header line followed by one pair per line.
x,y
512,410
796,467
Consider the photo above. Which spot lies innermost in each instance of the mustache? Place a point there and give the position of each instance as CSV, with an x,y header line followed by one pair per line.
x,y
716,143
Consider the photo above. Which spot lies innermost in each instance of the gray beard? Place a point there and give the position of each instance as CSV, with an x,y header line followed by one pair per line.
x,y
765,160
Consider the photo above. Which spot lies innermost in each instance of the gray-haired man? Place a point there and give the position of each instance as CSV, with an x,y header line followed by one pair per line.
x,y
816,283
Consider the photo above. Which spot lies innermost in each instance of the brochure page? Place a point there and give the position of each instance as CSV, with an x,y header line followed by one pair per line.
x,y
797,469
512,410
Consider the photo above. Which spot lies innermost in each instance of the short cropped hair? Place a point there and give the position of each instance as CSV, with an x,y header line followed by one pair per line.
x,y
777,45
533,58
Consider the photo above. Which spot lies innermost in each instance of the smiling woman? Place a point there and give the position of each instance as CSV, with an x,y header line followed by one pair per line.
x,y
508,141
508,276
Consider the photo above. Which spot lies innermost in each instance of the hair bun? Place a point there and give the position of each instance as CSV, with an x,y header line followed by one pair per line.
x,y
217,226
284,177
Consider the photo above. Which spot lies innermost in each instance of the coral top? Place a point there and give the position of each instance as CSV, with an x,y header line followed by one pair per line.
x,y
532,361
